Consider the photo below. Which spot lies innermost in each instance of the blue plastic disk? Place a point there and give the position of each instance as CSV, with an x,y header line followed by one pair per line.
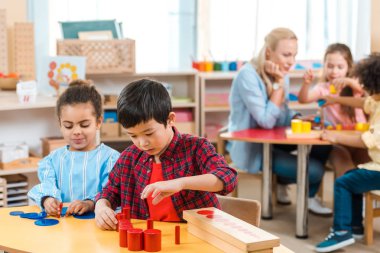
x,y
85,216
16,213
33,216
46,222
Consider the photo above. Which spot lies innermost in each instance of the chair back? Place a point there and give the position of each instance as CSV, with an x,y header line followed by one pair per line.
x,y
247,210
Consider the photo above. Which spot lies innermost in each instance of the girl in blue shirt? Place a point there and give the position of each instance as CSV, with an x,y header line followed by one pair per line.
x,y
259,99
75,173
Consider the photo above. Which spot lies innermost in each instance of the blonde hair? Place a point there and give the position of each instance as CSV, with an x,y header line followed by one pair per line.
x,y
271,42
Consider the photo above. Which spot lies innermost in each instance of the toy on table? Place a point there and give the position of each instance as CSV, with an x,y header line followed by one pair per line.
x,y
177,234
332,89
227,232
301,130
85,216
152,240
46,222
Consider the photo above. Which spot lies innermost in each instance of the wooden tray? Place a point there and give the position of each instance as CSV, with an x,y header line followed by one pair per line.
x,y
25,163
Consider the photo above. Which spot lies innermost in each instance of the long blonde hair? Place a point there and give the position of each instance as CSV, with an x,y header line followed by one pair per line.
x,y
271,41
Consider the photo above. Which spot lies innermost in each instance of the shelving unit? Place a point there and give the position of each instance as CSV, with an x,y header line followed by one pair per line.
x,y
185,94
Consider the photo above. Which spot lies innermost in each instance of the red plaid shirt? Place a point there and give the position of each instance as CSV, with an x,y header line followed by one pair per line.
x,y
185,156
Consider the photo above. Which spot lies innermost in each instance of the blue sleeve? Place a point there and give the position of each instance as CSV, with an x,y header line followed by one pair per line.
x,y
253,92
107,166
48,185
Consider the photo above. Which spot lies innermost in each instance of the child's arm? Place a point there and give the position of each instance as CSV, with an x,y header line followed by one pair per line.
x,y
304,95
163,189
351,140
339,83
357,102
104,215
47,189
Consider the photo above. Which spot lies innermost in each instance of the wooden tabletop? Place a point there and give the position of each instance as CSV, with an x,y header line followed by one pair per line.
x,y
74,235
273,136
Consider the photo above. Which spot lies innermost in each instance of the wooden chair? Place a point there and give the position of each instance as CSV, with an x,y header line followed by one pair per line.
x,y
247,210
370,213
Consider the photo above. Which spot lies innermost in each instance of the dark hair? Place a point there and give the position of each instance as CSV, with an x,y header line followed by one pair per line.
x,y
368,72
141,101
78,92
347,91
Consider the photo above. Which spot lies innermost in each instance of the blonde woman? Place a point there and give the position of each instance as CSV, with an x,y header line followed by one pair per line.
x,y
259,99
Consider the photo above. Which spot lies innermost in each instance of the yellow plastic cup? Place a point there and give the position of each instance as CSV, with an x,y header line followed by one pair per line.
x,y
296,125
306,126
365,126
338,127
359,126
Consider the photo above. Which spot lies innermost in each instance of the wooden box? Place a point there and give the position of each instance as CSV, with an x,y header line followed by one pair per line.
x,y
103,56
3,192
16,190
51,143
23,163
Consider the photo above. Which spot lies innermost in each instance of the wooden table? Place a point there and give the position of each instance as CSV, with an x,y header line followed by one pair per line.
x,y
74,235
267,137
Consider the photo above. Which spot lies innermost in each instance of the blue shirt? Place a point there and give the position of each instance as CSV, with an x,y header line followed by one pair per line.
x,y
73,175
252,108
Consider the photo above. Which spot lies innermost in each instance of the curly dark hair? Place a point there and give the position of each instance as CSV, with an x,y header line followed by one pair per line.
x,y
368,73
81,91
141,101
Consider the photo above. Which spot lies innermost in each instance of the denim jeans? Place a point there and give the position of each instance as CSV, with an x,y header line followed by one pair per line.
x,y
348,197
285,165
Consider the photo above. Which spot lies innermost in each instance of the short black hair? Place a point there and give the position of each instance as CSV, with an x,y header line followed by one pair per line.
x,y
78,92
368,73
141,101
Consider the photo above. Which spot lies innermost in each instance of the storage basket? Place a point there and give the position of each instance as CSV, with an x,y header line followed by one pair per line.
x,y
103,56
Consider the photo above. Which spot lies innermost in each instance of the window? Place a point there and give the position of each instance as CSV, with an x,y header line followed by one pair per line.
x,y
163,29
236,28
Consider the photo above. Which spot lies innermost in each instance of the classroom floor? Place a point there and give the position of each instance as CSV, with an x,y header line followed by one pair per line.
x,y
283,222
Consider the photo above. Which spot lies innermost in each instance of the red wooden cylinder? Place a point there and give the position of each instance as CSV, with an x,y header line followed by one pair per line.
x,y
118,217
135,239
127,212
152,240
177,234
149,224
123,238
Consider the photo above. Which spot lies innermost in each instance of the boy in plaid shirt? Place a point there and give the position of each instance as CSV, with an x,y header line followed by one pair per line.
x,y
164,172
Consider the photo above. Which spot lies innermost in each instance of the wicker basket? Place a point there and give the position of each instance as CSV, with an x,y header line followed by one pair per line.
x,y
103,56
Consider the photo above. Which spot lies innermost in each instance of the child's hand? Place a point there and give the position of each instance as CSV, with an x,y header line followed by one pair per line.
x,y
329,136
161,190
273,69
104,216
80,207
308,77
340,83
329,100
51,206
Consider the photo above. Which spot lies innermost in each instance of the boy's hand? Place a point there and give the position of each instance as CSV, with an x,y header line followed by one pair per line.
x,y
104,216
80,207
161,190
308,77
274,70
51,206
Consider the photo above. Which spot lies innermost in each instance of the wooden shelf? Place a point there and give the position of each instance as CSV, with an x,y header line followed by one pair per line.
x,y
225,108
18,171
9,101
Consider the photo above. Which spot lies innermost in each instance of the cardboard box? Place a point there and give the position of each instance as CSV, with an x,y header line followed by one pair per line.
x,y
109,129
186,127
51,143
